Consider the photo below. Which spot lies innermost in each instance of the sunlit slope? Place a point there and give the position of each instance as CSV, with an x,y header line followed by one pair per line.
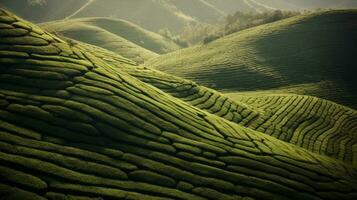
x,y
129,31
305,49
110,34
315,124
150,14
155,15
74,127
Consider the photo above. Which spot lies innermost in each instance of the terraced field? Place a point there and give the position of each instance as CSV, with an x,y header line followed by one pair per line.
x,y
265,57
314,124
252,115
78,125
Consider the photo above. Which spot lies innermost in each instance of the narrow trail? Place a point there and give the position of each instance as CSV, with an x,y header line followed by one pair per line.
x,y
212,6
263,5
249,3
80,9
252,3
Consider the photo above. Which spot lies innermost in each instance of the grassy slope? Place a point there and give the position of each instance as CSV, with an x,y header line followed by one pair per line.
x,y
300,50
110,34
74,127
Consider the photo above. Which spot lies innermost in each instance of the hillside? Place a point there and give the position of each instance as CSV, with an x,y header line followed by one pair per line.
x,y
75,123
266,57
94,31
129,31
282,116
155,15
120,36
178,12
150,14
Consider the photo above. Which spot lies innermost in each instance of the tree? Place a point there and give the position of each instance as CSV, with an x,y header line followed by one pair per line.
x,y
165,32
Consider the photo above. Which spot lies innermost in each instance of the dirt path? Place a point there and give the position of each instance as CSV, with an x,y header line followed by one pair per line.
x,y
80,9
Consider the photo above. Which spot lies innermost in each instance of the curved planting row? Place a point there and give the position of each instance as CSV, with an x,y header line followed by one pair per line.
x,y
72,126
318,125
312,123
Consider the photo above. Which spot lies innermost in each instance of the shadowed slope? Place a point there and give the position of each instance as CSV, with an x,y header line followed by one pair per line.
x,y
74,127
300,50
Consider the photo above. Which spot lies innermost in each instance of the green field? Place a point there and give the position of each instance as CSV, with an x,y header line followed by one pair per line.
x,y
314,49
81,122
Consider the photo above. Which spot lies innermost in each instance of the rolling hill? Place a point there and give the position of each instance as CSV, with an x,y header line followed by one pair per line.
x,y
158,14
120,36
80,122
285,117
150,14
314,50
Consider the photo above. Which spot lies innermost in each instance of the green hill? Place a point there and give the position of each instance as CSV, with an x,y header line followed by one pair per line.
x,y
117,35
77,125
97,31
285,117
121,28
150,14
315,49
